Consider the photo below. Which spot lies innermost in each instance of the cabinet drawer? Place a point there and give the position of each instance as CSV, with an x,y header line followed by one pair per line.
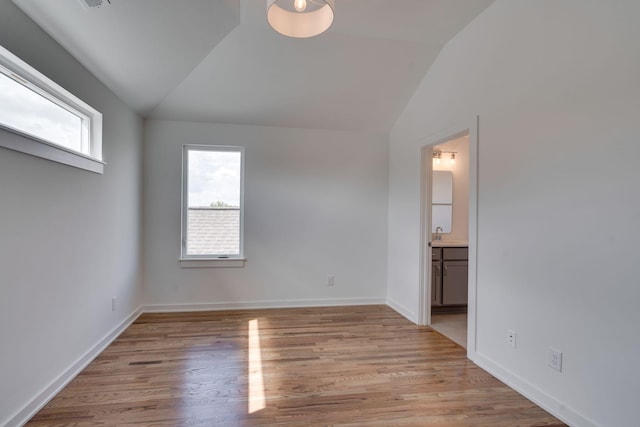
x,y
455,253
436,254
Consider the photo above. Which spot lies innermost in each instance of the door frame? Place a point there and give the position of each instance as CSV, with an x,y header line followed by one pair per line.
x,y
470,127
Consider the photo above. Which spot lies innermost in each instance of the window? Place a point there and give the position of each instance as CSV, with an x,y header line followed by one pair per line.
x,y
212,211
40,118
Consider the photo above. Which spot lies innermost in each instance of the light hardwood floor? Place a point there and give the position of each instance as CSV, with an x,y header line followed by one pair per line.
x,y
344,366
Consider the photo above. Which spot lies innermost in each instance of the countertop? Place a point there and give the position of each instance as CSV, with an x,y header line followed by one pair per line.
x,y
449,243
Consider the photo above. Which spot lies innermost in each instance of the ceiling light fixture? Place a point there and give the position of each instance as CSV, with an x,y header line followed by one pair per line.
x,y
300,18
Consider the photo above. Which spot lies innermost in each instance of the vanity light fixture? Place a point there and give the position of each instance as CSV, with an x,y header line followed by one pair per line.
x,y
300,18
437,156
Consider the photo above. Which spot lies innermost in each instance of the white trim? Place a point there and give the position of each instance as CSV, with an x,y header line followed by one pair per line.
x,y
29,145
402,310
18,140
50,391
212,262
474,209
550,404
246,305
470,127
425,250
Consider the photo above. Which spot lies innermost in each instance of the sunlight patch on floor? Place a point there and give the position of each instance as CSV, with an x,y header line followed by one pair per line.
x,y
257,399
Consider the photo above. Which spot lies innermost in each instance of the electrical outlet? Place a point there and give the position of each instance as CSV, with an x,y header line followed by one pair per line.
x,y
114,304
331,280
511,337
555,359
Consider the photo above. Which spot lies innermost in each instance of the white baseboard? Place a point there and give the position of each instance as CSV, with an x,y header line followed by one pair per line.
x,y
556,408
402,310
246,305
49,392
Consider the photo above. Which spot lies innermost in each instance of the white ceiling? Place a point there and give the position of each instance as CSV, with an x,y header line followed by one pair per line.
x,y
218,60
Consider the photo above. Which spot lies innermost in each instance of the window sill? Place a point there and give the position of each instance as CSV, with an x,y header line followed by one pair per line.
x,y
14,140
212,262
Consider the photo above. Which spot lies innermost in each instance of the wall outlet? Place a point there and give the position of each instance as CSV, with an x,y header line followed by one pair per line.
x,y
555,359
331,280
114,304
511,337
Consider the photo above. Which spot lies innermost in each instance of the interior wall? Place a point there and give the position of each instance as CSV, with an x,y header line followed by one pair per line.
x,y
69,239
315,205
460,172
555,84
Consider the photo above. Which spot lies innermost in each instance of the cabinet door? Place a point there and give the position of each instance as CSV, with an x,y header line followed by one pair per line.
x,y
455,282
436,283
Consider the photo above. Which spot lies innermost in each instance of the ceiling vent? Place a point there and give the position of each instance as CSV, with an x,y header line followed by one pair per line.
x,y
94,3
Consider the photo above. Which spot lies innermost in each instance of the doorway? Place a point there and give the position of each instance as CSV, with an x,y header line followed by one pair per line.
x,y
449,249
450,238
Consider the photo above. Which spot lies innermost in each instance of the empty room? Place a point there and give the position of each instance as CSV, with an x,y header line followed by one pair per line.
x,y
319,212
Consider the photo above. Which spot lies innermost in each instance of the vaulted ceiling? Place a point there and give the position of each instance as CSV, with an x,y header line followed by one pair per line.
x,y
219,61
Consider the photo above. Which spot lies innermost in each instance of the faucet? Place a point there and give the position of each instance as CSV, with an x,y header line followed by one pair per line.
x,y
438,236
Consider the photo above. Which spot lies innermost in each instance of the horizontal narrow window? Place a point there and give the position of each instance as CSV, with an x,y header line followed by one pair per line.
x,y
47,120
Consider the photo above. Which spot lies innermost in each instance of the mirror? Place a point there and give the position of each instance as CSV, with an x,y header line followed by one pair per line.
x,y
441,201
441,217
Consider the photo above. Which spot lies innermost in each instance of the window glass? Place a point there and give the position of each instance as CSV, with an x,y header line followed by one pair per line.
x,y
213,202
25,111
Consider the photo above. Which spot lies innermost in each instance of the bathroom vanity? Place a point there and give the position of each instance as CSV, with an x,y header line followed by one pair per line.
x,y
449,273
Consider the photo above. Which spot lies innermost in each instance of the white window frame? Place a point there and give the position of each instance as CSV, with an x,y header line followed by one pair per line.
x,y
19,140
204,261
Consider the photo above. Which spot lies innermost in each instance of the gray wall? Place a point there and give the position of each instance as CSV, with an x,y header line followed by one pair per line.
x,y
555,84
69,239
316,204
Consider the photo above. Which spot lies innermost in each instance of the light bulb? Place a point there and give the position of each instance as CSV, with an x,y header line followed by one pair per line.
x,y
453,158
300,5
437,155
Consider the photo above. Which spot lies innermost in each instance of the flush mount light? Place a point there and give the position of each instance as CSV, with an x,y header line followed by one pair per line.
x,y
300,18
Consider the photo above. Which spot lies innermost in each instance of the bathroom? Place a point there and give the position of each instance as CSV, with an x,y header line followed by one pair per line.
x,y
449,238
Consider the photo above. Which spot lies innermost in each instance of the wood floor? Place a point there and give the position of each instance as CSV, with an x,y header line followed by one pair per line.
x,y
345,366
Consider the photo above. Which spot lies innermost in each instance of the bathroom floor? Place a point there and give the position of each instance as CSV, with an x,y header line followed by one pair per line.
x,y
451,325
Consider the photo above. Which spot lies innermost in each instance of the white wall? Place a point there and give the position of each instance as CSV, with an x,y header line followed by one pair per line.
x,y
555,84
315,205
69,239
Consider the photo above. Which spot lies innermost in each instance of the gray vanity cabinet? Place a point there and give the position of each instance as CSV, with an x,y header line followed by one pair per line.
x,y
454,282
449,276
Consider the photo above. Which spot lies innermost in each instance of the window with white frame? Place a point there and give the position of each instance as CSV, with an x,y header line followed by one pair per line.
x,y
212,206
40,118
